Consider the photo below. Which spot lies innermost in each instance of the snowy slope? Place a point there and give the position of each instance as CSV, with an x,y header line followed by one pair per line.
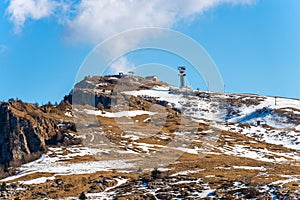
x,y
282,116
219,107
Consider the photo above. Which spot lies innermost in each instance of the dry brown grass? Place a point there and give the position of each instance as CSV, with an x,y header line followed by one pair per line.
x,y
81,159
69,185
32,176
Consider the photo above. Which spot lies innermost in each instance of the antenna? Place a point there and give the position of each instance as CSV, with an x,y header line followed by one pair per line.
x,y
208,86
182,75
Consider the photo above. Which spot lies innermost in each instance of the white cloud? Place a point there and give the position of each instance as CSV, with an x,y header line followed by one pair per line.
x,y
122,64
20,11
94,20
97,20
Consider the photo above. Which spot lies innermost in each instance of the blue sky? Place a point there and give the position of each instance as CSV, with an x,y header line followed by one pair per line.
x,y
255,44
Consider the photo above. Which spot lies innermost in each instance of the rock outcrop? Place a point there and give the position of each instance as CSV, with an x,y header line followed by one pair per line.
x,y
26,130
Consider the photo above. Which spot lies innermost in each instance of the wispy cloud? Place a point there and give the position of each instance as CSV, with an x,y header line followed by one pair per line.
x,y
20,11
96,20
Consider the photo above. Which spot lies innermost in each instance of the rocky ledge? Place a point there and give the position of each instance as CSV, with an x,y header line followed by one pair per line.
x,y
26,130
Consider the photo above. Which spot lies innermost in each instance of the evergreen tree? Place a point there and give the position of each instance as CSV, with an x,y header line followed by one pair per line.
x,y
3,186
73,127
155,173
82,196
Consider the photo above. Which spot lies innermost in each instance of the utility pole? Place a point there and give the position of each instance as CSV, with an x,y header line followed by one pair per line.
x,y
181,75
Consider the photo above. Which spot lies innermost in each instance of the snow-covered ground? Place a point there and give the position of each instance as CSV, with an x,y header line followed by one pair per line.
x,y
129,113
254,153
285,137
188,103
214,106
59,164
162,94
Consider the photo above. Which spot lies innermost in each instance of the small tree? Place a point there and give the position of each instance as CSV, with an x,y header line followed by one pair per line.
x,y
73,127
3,186
82,196
155,173
11,100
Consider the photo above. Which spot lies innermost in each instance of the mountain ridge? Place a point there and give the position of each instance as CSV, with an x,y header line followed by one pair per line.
x,y
218,157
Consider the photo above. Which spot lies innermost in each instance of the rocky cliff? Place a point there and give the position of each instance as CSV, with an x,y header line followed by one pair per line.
x,y
26,130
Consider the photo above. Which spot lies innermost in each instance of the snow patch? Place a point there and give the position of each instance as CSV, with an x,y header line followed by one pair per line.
x,y
38,180
129,113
